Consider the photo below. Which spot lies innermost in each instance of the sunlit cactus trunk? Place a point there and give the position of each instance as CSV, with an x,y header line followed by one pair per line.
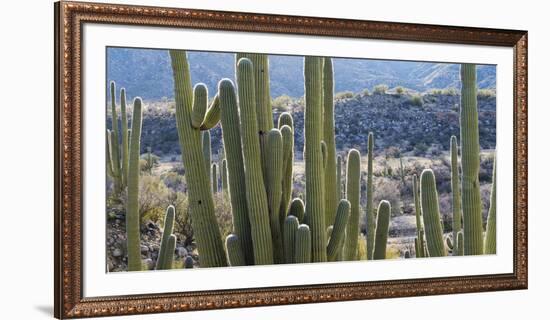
x,y
313,157
369,211
338,233
431,215
235,253
287,132
469,147
302,252
290,228
124,145
353,195
382,227
274,189
132,209
201,204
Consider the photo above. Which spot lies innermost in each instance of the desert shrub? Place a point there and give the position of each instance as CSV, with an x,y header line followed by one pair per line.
x,y
393,252
486,169
148,161
365,92
174,181
399,90
361,247
282,103
451,92
486,93
182,223
380,89
416,100
222,207
392,152
420,149
153,198
343,95
388,189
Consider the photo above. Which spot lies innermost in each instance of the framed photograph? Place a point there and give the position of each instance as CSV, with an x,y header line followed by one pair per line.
x,y
210,159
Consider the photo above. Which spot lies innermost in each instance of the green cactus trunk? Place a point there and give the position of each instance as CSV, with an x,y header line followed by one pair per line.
x,y
469,147
455,189
297,209
331,191
255,187
200,101
382,227
418,213
132,210
290,228
201,204
214,178
353,179
274,190
288,164
109,154
125,146
166,232
338,233
313,158
339,177
491,231
369,212
235,253
460,243
235,166
168,261
207,153
115,140
225,185
302,252
431,215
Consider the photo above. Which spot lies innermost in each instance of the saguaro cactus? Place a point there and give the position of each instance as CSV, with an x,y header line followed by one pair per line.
x,y
255,192
235,166
115,140
418,212
369,211
125,146
331,194
455,189
339,177
289,238
469,147
338,234
166,232
235,253
431,215
201,204
168,260
353,193
132,209
288,164
274,189
207,152
213,114
302,253
297,209
382,227
214,178
490,232
200,100
313,157
225,185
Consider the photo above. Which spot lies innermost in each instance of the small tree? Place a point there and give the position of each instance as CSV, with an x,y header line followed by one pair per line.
x,y
380,89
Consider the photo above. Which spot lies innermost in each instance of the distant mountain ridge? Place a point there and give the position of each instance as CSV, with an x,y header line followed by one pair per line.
x,y
147,73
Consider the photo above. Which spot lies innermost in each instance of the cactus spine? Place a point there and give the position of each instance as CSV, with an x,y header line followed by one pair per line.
x,y
313,157
369,214
455,189
274,189
418,212
302,252
338,233
166,232
490,232
382,227
235,253
255,192
331,191
235,166
352,192
201,204
132,210
290,228
431,215
469,147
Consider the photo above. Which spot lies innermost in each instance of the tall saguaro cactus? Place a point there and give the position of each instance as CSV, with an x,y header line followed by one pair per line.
x,y
339,176
382,227
289,238
201,204
207,151
455,189
166,232
125,146
274,189
255,187
331,195
369,212
490,232
288,164
115,139
431,215
235,166
418,212
315,201
353,181
132,210
469,147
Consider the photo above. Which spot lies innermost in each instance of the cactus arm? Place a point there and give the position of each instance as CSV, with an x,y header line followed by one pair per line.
x,y
132,210
274,189
469,140
285,119
235,166
431,215
124,129
213,114
200,97
353,189
234,251
331,192
168,261
339,177
490,233
166,232
201,204
115,140
315,201
255,187
290,228
369,214
382,227
455,189
303,244
109,154
338,230
288,163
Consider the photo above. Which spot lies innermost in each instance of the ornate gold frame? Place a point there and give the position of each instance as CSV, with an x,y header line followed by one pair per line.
x,y
69,18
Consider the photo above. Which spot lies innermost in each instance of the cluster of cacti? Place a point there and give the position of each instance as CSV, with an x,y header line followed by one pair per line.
x,y
117,142
467,237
